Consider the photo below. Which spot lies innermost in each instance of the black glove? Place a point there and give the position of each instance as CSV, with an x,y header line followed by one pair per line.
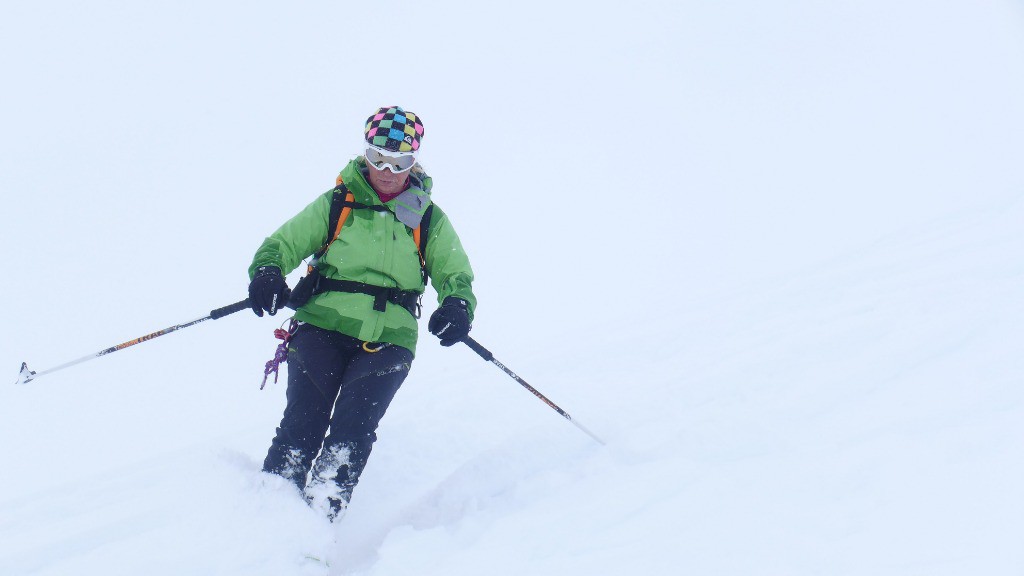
x,y
268,290
450,322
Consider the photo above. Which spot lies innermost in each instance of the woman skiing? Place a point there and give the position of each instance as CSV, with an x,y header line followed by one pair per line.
x,y
375,239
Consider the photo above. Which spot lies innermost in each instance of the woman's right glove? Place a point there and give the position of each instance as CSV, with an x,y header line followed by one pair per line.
x,y
268,290
450,322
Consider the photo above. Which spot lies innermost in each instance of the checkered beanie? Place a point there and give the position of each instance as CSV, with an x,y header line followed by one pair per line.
x,y
394,129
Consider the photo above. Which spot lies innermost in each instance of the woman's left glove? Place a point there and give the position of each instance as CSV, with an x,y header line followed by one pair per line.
x,y
450,322
268,290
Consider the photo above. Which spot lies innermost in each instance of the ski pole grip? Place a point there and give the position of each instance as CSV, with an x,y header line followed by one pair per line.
x,y
230,309
476,347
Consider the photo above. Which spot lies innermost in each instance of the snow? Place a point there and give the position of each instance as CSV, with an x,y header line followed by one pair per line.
x,y
771,253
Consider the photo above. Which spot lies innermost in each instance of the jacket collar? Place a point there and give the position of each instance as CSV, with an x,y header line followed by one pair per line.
x,y
408,207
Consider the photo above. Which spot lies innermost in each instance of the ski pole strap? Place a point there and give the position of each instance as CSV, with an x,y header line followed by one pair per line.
x,y
408,299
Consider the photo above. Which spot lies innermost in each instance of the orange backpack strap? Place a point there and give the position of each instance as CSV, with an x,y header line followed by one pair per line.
x,y
342,203
341,207
420,234
416,239
345,211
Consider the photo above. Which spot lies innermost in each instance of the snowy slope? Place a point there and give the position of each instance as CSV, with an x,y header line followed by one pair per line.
x,y
772,254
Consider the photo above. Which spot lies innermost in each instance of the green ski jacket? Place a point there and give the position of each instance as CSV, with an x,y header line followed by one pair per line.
x,y
374,248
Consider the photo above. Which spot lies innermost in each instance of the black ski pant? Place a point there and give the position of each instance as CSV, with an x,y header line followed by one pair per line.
x,y
335,384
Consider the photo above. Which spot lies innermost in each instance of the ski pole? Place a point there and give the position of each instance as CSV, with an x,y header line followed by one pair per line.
x,y
486,355
27,375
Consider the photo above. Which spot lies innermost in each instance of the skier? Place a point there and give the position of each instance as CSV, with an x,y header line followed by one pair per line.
x,y
354,338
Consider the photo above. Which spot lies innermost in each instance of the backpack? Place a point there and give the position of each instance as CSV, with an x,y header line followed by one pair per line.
x,y
313,283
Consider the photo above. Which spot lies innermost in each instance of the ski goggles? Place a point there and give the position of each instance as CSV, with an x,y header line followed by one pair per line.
x,y
397,163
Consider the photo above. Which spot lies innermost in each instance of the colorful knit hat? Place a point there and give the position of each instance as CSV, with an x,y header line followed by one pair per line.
x,y
394,129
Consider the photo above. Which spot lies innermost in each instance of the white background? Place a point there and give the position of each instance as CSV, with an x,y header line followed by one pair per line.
x,y
770,252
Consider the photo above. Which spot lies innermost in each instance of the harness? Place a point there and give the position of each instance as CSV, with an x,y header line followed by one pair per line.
x,y
313,283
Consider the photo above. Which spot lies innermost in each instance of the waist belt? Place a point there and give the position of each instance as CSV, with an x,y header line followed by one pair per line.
x,y
408,299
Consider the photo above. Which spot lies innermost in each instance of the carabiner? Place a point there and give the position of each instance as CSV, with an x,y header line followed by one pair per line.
x,y
380,346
